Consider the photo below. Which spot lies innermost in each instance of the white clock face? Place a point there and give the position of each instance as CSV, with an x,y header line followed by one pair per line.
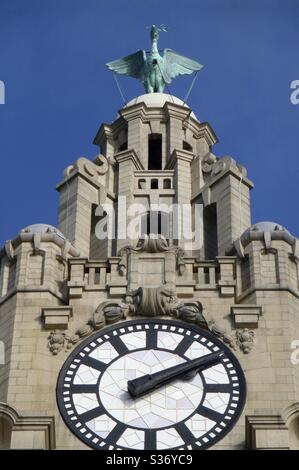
x,y
185,413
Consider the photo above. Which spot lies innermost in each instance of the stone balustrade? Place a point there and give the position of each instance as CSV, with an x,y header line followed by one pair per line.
x,y
219,274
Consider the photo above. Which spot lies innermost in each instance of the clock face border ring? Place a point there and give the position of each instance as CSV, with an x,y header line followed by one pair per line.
x,y
172,322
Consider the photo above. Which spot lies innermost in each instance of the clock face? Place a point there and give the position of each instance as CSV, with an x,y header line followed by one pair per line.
x,y
183,413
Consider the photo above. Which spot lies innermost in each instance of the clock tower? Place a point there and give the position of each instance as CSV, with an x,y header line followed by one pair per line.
x,y
155,268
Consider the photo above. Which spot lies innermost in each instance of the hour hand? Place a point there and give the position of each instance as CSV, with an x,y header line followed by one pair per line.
x,y
146,383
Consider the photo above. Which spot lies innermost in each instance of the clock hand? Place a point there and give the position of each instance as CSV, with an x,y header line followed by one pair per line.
x,y
149,382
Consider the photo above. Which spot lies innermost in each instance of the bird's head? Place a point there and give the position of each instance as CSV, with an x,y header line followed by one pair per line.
x,y
155,31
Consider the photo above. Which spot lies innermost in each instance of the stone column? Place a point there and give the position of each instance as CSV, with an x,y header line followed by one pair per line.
x,y
233,216
127,163
181,163
83,188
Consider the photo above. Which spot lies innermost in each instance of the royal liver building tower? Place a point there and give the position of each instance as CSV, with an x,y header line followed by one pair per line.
x,y
156,316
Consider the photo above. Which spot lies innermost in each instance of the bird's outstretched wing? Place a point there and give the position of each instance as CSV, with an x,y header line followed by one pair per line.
x,y
132,65
176,64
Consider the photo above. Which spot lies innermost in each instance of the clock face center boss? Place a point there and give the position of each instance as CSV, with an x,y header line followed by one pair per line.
x,y
151,384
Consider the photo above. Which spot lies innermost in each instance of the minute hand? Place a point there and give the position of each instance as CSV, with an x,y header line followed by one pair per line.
x,y
149,382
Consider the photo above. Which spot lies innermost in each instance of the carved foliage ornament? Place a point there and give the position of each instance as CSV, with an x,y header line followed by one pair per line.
x,y
245,340
146,302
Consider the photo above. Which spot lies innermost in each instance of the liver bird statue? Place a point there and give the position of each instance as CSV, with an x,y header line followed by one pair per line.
x,y
152,69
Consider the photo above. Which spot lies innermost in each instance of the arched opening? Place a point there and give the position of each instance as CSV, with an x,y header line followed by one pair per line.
x,y
155,152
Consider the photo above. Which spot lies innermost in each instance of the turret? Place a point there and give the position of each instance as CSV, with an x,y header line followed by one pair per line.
x,y
268,255
33,295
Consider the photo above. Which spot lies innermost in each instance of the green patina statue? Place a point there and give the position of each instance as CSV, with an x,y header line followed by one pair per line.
x,y
152,69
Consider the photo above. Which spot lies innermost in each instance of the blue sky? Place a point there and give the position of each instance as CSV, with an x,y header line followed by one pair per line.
x,y
58,91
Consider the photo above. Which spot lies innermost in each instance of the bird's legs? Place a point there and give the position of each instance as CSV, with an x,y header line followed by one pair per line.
x,y
148,86
160,88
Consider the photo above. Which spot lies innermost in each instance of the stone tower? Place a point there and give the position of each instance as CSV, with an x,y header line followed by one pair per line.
x,y
154,182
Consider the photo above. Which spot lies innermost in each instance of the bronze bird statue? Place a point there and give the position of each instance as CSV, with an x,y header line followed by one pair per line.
x,y
152,69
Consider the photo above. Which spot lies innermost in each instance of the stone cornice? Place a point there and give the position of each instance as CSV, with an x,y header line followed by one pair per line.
x,y
154,173
226,259
246,315
209,184
261,288
108,131
266,237
33,290
145,113
27,422
77,261
92,182
138,110
50,237
205,131
127,155
57,317
91,171
105,131
177,111
266,432
179,154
